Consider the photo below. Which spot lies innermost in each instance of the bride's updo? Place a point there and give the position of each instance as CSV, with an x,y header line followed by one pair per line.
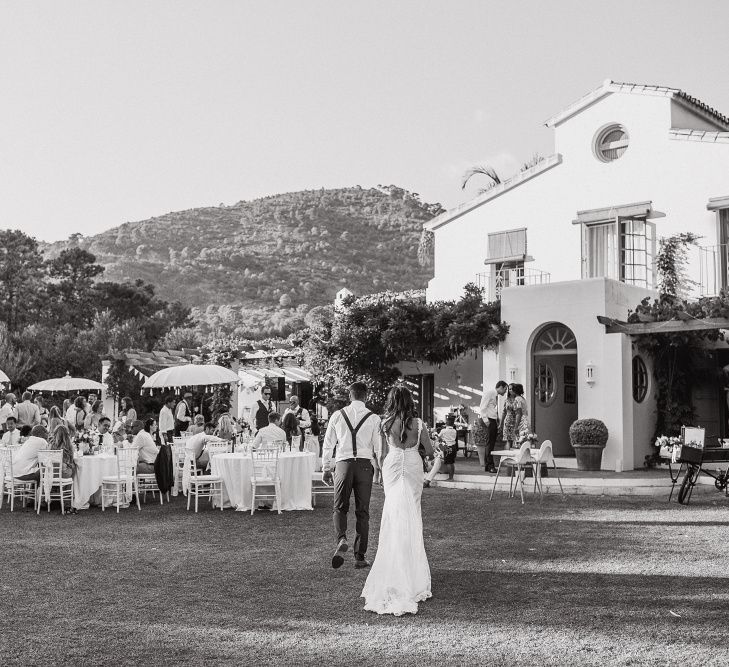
x,y
399,405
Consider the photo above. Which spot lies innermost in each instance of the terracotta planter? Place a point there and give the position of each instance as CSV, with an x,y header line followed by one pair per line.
x,y
589,457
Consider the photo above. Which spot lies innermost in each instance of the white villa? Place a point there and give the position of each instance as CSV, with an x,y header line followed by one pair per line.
x,y
575,237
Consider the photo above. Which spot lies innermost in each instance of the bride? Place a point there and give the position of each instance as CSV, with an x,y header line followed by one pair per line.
x,y
400,575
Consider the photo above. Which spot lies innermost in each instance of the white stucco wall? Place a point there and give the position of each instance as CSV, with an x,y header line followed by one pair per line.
x,y
678,176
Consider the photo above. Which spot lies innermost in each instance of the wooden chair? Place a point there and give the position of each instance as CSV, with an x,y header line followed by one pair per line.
x,y
10,485
124,484
265,475
53,486
199,485
517,464
544,456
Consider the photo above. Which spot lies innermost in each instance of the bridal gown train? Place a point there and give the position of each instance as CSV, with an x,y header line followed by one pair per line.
x,y
400,575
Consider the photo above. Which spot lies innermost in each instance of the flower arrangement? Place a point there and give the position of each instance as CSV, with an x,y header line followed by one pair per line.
x,y
532,438
667,441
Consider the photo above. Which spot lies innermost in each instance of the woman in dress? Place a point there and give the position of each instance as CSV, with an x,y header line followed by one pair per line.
x,y
400,575
226,428
508,420
127,414
521,413
61,439
54,418
91,423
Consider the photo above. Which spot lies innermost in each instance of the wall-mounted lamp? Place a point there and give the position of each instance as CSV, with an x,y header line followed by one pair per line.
x,y
590,373
513,373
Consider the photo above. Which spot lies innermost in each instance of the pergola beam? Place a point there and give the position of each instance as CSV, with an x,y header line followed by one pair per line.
x,y
667,326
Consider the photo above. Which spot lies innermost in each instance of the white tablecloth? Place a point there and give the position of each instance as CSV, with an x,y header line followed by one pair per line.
x,y
87,481
294,468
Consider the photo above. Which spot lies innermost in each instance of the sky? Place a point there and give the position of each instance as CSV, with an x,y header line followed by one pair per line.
x,y
113,111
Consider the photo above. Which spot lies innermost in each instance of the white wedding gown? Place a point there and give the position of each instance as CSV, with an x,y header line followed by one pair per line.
x,y
400,575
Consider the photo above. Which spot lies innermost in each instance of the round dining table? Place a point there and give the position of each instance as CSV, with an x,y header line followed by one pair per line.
x,y
295,469
90,470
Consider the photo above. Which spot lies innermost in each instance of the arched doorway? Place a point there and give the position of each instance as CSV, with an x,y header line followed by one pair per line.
x,y
554,368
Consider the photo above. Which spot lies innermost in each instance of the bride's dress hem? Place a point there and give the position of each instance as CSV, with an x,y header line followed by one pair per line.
x,y
397,607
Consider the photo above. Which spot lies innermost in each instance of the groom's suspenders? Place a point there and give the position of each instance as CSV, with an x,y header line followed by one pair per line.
x,y
353,431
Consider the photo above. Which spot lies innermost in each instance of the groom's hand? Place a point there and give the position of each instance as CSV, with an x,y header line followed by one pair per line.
x,y
327,477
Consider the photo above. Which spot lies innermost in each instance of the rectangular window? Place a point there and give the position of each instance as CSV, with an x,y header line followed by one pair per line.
x,y
622,250
511,244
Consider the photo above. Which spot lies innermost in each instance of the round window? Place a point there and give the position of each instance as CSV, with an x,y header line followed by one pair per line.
x,y
545,385
611,142
640,380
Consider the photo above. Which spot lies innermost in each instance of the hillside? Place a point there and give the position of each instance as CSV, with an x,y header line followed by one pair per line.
x,y
273,257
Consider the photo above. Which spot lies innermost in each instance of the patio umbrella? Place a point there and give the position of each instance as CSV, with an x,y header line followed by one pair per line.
x,y
190,375
66,383
3,377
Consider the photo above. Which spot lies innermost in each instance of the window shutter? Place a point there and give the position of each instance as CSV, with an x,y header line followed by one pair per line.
x,y
511,244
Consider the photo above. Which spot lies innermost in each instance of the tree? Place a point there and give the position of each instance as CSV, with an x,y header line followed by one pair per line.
x,y
71,295
21,278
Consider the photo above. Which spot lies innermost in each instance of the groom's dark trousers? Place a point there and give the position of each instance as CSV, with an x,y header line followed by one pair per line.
x,y
353,475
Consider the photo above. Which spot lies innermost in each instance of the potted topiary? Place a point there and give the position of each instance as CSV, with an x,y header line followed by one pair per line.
x,y
588,437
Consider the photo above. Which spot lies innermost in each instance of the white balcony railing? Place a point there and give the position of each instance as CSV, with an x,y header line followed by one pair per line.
x,y
492,282
714,267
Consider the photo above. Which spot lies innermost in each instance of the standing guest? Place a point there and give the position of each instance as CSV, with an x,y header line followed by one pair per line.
x,y
27,411
319,413
449,442
196,426
8,409
127,414
167,419
183,414
11,437
516,415
106,439
268,435
264,407
67,403
61,439
303,422
25,458
197,443
92,418
54,418
508,418
76,414
144,442
42,411
489,416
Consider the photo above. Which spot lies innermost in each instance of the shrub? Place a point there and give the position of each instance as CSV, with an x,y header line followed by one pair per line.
x,y
588,432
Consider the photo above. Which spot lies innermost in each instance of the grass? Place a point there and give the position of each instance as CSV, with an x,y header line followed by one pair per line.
x,y
578,580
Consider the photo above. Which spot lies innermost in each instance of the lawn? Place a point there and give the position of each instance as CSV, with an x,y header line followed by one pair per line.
x,y
579,580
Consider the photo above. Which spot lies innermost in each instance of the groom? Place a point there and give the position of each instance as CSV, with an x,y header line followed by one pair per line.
x,y
352,437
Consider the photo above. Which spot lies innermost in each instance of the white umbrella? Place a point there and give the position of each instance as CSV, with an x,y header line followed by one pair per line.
x,y
190,375
3,377
66,383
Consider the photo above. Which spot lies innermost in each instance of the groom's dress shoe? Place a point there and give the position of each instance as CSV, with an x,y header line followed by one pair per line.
x,y
360,564
338,558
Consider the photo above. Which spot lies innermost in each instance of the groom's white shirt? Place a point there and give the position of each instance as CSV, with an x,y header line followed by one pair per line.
x,y
338,435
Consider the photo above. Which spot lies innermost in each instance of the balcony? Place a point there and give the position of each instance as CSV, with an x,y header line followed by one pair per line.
x,y
714,269
492,282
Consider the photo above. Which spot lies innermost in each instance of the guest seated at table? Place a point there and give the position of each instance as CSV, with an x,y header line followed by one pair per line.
x,y
197,444
25,432
144,442
119,433
226,428
54,418
271,433
25,458
11,437
106,439
61,439
93,416
196,426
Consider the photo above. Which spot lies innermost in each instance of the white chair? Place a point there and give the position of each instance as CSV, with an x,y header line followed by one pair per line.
x,y
517,464
124,484
544,456
202,486
265,475
11,486
53,486
319,488
213,448
147,482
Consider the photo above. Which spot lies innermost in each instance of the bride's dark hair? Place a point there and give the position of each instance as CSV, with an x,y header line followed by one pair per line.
x,y
399,405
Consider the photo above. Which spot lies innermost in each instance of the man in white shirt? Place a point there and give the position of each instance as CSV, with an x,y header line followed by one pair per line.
x,y
106,439
197,444
354,433
11,436
25,458
270,434
303,419
8,409
489,412
148,451
167,419
28,413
